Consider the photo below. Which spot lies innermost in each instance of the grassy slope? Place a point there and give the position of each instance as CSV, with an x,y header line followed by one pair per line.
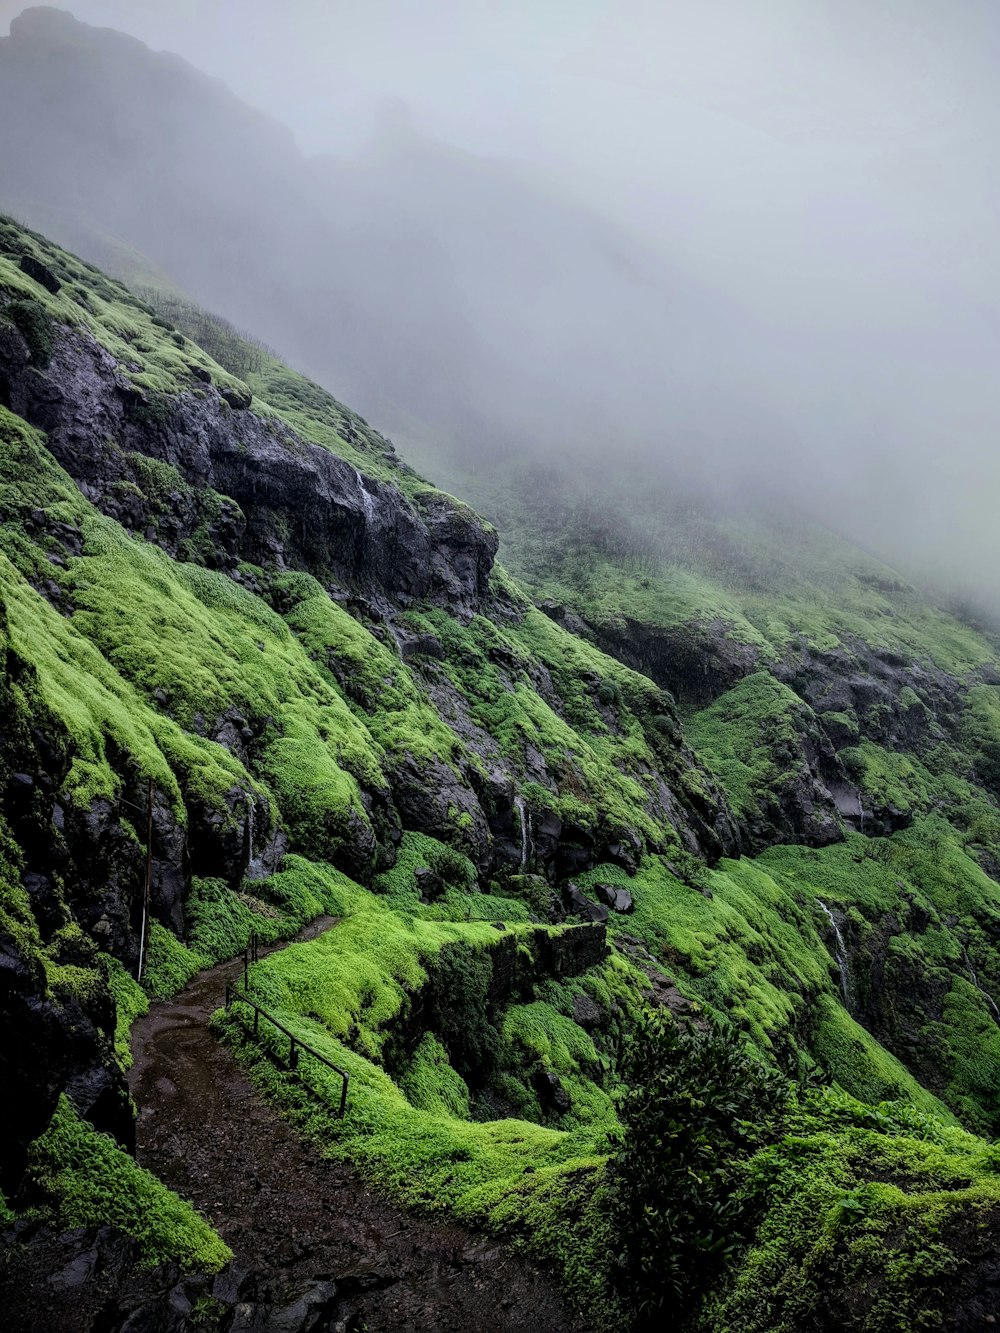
x,y
648,552
756,950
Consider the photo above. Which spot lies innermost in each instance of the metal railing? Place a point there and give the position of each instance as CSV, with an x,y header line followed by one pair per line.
x,y
251,954
296,1044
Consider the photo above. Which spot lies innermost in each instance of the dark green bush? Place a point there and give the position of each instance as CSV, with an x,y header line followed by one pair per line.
x,y
608,693
458,994
35,327
452,867
697,1105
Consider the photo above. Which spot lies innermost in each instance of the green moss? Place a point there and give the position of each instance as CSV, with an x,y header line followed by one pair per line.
x,y
35,326
131,1002
859,1199
751,740
89,1181
431,1084
169,964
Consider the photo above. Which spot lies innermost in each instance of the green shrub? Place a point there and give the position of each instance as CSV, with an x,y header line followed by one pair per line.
x,y
609,693
698,1104
35,327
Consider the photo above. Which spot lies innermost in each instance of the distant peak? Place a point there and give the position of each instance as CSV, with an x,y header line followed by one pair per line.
x,y
43,19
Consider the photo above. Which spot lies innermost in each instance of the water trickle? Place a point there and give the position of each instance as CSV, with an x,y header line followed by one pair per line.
x,y
366,498
524,819
255,868
840,954
975,981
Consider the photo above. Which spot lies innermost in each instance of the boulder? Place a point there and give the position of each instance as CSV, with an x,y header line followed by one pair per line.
x,y
578,904
588,1013
238,397
618,899
36,270
429,884
551,1093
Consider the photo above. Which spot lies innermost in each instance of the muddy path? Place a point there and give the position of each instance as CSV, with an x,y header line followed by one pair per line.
x,y
288,1214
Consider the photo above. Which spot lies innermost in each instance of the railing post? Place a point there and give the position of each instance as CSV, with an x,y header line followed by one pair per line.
x,y
343,1097
293,1054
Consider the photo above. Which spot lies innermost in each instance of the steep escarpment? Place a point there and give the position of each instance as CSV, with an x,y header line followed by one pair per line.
x,y
258,671
221,628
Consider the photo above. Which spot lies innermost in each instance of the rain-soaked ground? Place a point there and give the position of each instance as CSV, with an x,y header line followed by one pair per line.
x,y
289,1214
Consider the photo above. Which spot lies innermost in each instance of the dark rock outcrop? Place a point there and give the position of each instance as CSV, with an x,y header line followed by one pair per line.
x,y
552,1095
36,270
301,505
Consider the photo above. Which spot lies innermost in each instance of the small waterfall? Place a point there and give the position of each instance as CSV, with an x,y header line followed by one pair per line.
x,y
524,818
255,868
840,954
975,981
366,498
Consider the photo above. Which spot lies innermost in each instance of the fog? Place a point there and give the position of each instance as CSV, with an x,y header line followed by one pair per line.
x,y
746,241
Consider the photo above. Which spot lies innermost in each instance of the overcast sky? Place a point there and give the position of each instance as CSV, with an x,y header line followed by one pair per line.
x,y
755,134
830,166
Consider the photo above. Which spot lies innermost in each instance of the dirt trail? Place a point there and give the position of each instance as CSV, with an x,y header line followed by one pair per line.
x,y
289,1214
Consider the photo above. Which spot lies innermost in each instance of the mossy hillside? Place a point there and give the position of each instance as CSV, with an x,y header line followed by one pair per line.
x,y
376,683
154,353
218,648
93,303
980,734
358,981
759,953
221,921
147,633
458,894
601,759
86,1180
537,1037
101,712
880,1200
920,920
751,740
668,556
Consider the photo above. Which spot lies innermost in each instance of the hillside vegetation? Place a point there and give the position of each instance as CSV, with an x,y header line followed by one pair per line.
x,y
748,781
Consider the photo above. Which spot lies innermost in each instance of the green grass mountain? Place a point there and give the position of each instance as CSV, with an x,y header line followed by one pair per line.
x,y
735,770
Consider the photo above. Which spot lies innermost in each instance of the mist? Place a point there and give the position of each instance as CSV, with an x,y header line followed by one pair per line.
x,y
702,243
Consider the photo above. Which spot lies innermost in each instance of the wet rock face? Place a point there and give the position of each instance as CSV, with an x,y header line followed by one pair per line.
x,y
290,502
898,704
57,1036
696,662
